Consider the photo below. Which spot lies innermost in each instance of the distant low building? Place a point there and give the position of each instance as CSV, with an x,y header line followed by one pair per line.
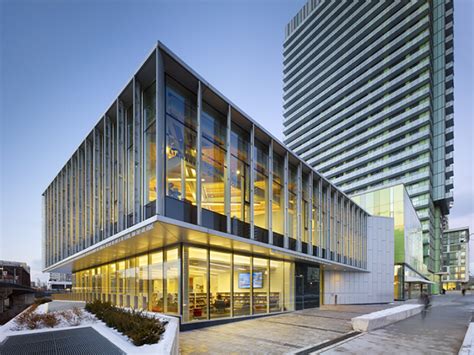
x,y
15,272
59,281
455,258
15,289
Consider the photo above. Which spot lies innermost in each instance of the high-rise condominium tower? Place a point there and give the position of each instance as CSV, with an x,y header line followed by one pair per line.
x,y
368,100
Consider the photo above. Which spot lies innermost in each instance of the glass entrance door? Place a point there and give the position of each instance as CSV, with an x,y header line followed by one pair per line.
x,y
306,286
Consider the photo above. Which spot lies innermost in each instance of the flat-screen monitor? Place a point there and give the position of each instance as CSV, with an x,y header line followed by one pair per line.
x,y
244,280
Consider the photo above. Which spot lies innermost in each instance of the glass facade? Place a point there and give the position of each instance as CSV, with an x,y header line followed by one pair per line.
x,y
215,283
395,202
173,162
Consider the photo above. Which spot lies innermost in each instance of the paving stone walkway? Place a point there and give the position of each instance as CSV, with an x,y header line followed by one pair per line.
x,y
440,330
82,341
277,334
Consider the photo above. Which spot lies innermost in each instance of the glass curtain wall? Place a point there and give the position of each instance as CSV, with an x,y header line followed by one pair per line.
x,y
181,153
261,192
278,204
216,284
213,127
149,119
239,181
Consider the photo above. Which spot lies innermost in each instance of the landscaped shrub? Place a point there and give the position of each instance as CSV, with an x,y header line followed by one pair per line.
x,y
32,320
49,320
134,324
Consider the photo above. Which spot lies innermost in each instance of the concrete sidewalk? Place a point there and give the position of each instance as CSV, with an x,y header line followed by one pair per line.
x,y
439,331
277,334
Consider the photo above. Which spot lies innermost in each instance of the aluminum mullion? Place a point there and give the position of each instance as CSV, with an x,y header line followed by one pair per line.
x,y
198,155
285,201
310,214
137,147
252,181
299,199
120,164
227,170
270,193
160,134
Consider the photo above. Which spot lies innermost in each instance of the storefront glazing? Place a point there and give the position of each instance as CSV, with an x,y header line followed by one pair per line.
x,y
196,282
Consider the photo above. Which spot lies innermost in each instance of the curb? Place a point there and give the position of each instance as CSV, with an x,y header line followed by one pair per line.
x,y
467,347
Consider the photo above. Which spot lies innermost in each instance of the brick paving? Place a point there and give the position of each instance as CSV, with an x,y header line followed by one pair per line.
x,y
278,334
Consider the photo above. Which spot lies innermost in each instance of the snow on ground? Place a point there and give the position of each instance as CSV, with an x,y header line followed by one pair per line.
x,y
76,318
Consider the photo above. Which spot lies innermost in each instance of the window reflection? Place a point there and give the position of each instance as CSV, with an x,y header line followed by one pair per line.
x,y
149,117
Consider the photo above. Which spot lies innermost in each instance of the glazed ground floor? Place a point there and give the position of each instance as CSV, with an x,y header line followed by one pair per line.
x,y
454,286
203,283
408,283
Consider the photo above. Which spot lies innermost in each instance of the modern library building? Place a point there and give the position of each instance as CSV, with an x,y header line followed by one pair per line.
x,y
178,202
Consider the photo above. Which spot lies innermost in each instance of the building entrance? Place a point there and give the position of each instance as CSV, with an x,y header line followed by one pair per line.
x,y
307,278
